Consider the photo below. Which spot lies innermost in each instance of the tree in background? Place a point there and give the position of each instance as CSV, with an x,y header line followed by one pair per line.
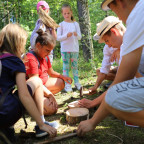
x,y
84,20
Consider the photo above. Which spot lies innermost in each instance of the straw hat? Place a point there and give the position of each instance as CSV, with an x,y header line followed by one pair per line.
x,y
105,4
104,26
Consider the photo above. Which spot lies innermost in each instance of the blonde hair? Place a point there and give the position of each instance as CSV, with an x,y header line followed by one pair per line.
x,y
13,39
46,19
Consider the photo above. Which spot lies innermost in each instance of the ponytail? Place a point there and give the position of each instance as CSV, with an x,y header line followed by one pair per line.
x,y
46,19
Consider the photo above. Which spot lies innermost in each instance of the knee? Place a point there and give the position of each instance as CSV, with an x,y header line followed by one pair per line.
x,y
49,109
61,84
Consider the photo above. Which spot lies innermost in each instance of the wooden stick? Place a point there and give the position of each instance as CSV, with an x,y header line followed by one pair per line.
x,y
57,138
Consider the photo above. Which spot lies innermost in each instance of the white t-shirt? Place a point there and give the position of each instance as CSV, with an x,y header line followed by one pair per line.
x,y
68,44
106,64
134,35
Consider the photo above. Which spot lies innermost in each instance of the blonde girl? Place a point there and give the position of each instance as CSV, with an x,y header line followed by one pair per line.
x,y
68,34
45,22
30,93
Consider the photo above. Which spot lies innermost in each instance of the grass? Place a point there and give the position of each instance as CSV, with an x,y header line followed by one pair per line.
x,y
109,131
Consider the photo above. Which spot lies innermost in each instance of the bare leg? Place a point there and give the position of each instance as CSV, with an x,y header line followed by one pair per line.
x,y
36,85
136,118
55,85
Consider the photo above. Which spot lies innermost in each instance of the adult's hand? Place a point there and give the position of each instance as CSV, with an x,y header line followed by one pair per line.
x,y
85,103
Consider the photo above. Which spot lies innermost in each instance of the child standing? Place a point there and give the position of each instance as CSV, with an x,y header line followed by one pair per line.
x,y
68,34
45,22
29,95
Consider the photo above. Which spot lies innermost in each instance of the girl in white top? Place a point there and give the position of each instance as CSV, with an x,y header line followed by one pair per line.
x,y
68,34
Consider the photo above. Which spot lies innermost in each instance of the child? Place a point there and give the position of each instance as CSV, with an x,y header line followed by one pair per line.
x,y
30,93
125,98
68,34
38,64
45,22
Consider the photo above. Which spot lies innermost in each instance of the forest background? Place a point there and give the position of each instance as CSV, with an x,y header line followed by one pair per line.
x,y
87,12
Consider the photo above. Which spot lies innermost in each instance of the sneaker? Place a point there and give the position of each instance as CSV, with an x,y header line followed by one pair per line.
x,y
68,88
78,86
53,124
40,133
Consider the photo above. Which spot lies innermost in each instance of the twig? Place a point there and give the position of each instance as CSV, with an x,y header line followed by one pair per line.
x,y
117,137
5,138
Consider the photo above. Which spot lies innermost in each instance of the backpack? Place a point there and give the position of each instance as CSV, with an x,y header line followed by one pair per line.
x,y
2,99
32,52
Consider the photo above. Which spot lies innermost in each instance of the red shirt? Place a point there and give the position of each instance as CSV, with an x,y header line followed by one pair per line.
x,y
32,66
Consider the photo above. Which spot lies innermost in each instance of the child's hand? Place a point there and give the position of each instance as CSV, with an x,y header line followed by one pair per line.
x,y
75,33
52,131
69,34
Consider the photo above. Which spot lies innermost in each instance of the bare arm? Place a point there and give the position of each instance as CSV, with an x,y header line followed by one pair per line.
x,y
126,71
55,74
99,80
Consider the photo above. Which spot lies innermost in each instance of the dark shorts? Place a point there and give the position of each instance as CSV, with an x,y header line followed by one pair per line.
x,y
14,113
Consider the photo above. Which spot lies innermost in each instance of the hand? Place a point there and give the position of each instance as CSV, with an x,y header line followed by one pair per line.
x,y
85,126
67,79
75,33
115,56
92,89
85,103
50,130
69,34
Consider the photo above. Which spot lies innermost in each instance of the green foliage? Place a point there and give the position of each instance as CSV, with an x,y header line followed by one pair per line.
x,y
25,13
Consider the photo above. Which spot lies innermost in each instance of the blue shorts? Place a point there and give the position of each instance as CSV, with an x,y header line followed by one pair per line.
x,y
14,112
127,96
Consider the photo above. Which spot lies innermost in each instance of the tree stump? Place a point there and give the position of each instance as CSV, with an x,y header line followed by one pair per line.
x,y
76,115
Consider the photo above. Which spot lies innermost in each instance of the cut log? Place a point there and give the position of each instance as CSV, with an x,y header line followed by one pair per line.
x,y
76,115
73,104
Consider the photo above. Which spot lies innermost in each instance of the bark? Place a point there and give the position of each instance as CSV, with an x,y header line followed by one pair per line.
x,y
84,20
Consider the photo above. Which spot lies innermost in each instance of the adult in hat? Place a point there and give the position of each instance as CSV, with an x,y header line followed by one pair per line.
x,y
125,97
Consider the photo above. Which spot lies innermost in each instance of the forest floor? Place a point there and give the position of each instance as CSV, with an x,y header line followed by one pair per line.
x,y
109,131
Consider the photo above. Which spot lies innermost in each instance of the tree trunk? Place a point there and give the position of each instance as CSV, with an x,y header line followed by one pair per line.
x,y
85,26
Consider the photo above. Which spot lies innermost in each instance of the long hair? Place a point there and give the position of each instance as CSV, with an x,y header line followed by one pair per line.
x,y
13,39
46,19
68,6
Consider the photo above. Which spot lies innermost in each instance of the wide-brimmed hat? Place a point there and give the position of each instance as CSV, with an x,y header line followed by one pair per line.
x,y
104,26
42,3
105,3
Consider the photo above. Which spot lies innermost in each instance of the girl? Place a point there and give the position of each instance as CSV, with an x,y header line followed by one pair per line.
x,y
68,34
45,22
30,93
38,64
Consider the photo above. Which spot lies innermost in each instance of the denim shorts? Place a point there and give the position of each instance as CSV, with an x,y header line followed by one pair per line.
x,y
127,96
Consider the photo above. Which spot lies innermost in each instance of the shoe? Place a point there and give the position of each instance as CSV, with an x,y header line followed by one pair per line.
x,y
53,124
78,86
40,133
68,88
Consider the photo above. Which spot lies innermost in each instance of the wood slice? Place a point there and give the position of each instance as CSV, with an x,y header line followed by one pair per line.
x,y
76,115
73,104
